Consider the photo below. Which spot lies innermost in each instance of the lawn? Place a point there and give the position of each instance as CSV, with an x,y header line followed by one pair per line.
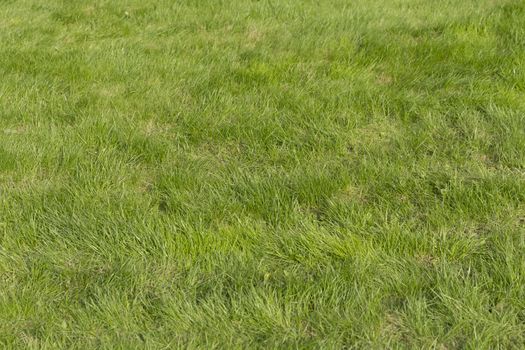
x,y
273,174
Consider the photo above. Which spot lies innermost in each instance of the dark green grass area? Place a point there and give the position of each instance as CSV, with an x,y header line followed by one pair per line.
x,y
262,174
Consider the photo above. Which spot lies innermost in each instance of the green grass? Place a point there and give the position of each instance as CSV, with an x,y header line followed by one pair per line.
x,y
262,174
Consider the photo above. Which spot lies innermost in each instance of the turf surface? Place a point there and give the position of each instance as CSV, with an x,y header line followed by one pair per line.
x,y
262,174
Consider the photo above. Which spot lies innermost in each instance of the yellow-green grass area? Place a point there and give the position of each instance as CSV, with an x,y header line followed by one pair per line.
x,y
273,174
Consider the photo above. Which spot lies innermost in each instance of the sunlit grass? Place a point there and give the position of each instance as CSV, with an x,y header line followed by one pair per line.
x,y
262,174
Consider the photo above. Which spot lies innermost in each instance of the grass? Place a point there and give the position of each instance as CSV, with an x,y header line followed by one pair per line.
x,y
262,174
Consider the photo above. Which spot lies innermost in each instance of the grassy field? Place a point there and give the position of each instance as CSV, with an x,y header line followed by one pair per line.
x,y
262,174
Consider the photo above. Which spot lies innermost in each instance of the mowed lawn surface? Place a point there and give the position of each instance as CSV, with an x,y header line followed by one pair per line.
x,y
262,174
